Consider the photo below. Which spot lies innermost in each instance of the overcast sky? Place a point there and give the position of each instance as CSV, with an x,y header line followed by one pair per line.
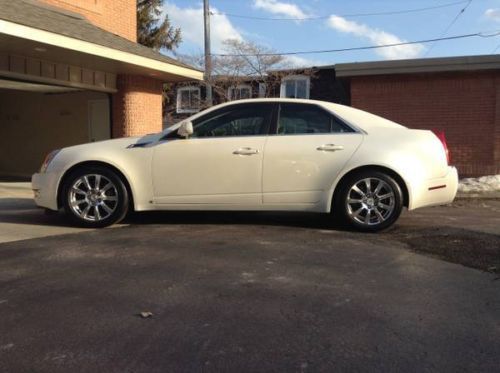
x,y
338,29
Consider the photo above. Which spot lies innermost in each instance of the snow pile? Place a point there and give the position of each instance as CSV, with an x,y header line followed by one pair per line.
x,y
480,184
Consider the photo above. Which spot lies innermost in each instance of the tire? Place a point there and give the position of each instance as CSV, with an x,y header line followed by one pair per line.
x,y
368,201
94,197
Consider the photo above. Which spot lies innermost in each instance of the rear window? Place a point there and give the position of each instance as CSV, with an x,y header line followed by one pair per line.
x,y
308,119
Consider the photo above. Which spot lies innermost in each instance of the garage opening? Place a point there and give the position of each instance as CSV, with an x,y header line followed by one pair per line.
x,y
37,118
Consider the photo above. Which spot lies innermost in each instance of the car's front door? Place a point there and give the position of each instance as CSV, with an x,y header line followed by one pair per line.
x,y
221,163
308,150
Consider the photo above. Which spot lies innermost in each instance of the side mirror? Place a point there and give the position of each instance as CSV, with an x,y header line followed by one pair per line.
x,y
185,130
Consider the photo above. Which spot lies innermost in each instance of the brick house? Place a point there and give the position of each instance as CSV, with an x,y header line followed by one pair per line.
x,y
316,83
457,95
71,72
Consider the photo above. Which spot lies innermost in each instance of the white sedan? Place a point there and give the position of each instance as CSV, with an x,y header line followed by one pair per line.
x,y
259,154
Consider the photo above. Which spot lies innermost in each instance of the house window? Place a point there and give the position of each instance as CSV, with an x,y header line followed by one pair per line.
x,y
239,92
262,90
188,99
296,86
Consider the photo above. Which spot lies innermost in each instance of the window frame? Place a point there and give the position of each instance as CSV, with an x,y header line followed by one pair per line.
x,y
239,87
262,90
190,88
273,131
296,78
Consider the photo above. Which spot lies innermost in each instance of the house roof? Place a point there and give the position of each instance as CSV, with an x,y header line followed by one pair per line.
x,y
36,15
422,65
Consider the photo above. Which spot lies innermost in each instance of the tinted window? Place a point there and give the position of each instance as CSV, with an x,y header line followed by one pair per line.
x,y
240,120
307,119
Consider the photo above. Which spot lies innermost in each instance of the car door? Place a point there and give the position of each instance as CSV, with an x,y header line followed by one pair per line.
x,y
308,149
221,163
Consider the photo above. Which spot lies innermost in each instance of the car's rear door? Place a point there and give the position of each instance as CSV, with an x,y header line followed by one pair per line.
x,y
220,164
309,148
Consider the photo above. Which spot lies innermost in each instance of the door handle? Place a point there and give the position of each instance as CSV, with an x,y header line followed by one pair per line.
x,y
246,151
330,147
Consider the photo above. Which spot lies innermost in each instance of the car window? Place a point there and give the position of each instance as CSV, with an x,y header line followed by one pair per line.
x,y
307,119
240,120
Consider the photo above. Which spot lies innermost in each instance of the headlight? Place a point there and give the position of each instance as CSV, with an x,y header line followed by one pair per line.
x,y
48,159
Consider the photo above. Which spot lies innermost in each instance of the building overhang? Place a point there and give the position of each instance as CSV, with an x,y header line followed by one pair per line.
x,y
33,43
422,65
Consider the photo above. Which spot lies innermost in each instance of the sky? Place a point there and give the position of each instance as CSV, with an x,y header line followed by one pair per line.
x,y
338,27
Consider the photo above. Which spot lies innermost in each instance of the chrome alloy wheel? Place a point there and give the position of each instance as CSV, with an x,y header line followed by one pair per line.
x,y
370,201
93,197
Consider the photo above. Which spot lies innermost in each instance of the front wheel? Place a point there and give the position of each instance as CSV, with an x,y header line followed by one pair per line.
x,y
369,201
95,197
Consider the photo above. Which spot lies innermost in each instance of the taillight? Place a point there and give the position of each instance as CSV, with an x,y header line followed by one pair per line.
x,y
440,135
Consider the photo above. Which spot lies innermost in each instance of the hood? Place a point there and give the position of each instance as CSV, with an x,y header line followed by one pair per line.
x,y
123,142
106,151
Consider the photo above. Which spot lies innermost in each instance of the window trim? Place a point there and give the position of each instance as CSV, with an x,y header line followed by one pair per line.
x,y
239,87
262,90
179,109
296,78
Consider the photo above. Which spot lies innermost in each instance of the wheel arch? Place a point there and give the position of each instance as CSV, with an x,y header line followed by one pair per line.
x,y
396,176
109,166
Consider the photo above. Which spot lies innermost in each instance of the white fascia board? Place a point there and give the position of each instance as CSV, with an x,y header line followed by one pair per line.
x,y
50,38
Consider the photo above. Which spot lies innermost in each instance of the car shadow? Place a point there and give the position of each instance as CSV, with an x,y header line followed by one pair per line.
x,y
286,219
24,211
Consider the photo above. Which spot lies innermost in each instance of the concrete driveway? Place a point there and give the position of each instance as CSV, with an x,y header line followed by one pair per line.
x,y
20,219
247,293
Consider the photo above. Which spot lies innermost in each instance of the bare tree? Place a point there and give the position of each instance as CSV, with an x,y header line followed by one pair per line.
x,y
244,62
240,63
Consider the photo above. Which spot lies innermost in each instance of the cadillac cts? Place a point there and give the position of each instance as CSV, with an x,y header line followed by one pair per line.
x,y
260,154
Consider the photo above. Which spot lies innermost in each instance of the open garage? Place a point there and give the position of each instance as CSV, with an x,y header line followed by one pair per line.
x,y
36,118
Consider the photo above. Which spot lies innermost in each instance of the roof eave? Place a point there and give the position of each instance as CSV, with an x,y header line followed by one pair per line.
x,y
61,41
427,65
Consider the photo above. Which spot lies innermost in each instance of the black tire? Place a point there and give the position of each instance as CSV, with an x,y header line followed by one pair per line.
x,y
107,204
347,210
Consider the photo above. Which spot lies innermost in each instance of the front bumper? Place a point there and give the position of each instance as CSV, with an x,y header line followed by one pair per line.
x,y
44,187
435,192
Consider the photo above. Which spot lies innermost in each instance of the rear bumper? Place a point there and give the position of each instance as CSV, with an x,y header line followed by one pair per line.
x,y
44,187
434,192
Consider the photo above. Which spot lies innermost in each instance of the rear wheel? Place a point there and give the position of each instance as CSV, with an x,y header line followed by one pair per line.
x,y
369,201
95,197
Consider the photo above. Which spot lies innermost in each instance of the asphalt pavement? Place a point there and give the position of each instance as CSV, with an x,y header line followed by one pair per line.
x,y
258,292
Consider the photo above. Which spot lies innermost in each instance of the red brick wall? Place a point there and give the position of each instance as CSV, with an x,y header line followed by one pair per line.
x,y
116,16
464,105
137,106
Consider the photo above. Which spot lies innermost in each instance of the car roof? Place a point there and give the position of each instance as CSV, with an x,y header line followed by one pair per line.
x,y
356,118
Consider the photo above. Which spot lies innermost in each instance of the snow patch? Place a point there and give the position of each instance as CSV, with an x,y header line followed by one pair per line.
x,y
481,184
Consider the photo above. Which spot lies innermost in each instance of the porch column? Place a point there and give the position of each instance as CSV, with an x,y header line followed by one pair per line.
x,y
137,106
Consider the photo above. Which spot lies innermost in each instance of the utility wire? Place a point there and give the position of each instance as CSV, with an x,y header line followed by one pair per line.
x,y
354,15
477,34
462,11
